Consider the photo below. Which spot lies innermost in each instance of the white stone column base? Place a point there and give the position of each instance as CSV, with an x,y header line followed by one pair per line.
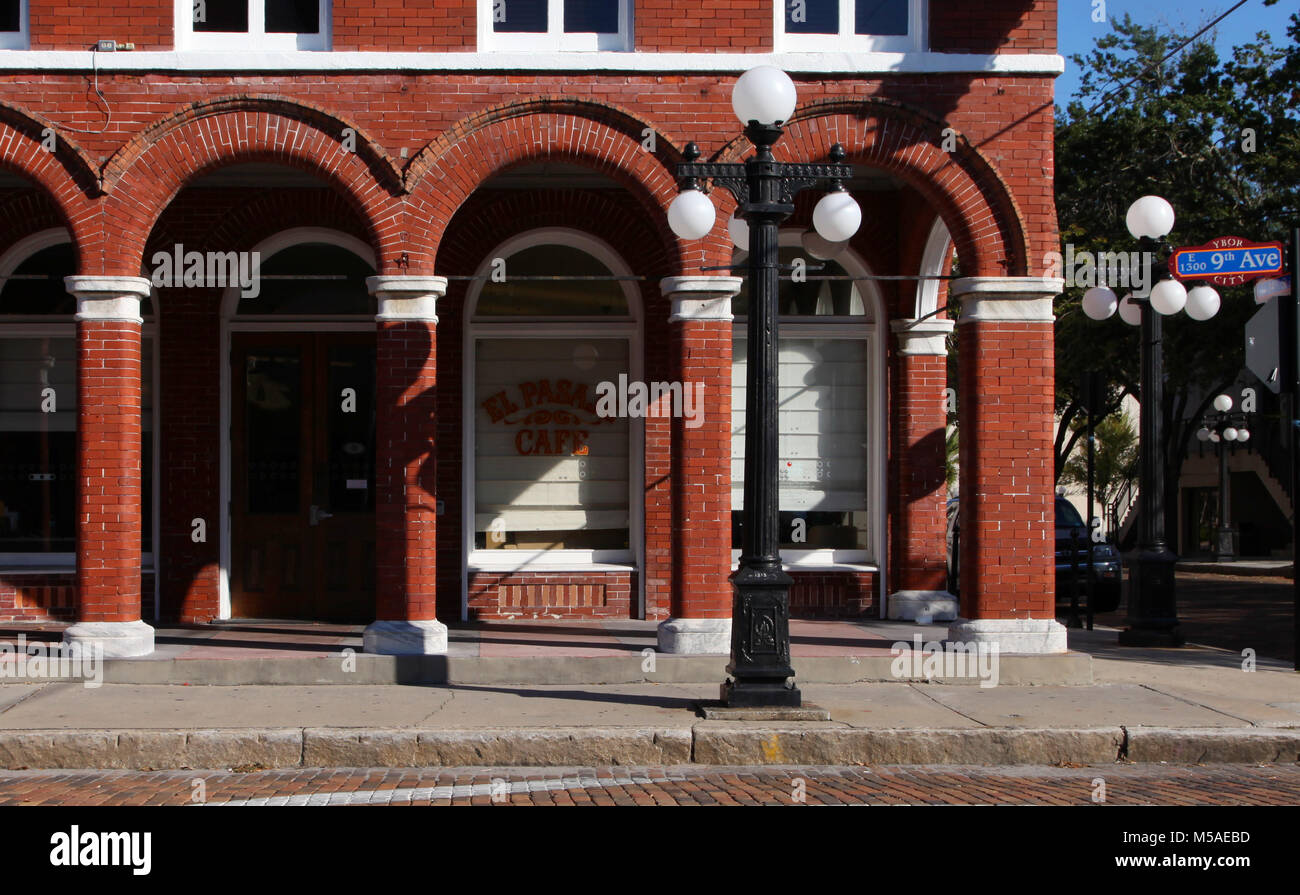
x,y
695,636
118,640
918,605
1012,635
405,638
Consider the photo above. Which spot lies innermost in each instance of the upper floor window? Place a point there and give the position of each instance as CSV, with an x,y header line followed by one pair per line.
x,y
862,25
566,25
252,24
13,24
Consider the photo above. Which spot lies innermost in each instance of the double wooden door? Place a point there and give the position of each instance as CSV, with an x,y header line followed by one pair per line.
x,y
303,476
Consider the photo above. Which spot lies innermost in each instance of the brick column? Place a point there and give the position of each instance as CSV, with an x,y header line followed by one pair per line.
x,y
919,422
1005,414
700,326
109,514
405,456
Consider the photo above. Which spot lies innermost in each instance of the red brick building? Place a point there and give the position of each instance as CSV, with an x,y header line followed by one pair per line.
x,y
458,211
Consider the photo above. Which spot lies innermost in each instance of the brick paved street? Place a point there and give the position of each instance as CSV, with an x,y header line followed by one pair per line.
x,y
1124,785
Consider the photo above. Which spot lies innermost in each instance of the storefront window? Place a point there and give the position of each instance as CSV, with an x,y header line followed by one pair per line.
x,y
552,471
38,411
824,418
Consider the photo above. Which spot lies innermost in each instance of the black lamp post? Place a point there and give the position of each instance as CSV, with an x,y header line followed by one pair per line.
x,y
764,99
1152,600
1223,429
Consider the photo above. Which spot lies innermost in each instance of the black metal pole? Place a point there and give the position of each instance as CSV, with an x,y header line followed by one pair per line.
x,y
1225,551
1092,463
760,632
1152,612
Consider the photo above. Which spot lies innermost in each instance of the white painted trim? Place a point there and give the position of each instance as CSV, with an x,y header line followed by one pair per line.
x,y
407,298
700,298
24,248
849,63
865,328
938,249
229,325
552,328
18,40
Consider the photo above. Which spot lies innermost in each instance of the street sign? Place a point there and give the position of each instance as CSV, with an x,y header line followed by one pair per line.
x,y
1264,343
1227,261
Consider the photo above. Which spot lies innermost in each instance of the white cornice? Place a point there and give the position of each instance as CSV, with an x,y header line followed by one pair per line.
x,y
856,64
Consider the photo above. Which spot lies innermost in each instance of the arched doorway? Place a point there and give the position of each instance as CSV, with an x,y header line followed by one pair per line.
x,y
550,485
298,403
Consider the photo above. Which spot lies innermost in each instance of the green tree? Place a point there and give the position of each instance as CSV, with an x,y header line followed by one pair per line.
x,y
1220,140
1116,456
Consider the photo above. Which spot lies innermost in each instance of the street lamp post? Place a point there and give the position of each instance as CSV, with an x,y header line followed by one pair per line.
x,y
763,99
1152,601
1222,429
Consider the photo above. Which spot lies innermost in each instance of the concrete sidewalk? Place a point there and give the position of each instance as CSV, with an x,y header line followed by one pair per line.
x,y
1189,705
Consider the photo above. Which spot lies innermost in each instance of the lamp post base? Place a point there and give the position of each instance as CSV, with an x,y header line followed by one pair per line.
x,y
1152,609
761,675
1227,545
751,694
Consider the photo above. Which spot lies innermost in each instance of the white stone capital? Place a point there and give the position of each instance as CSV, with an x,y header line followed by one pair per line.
x,y
922,336
407,298
118,640
405,638
1006,299
700,298
695,636
114,299
1012,635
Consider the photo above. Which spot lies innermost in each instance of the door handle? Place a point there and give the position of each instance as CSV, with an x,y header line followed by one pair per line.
x,y
317,514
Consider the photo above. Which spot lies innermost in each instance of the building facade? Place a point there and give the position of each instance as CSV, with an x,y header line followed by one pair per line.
x,y
308,306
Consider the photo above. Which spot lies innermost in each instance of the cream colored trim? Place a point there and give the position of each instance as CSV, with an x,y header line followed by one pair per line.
x,y
407,298
700,298
1007,299
927,337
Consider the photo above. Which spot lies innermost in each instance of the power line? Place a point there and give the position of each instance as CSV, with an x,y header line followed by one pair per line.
x,y
1161,61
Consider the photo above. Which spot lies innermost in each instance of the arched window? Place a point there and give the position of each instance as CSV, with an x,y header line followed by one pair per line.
x,y
551,479
829,418
38,406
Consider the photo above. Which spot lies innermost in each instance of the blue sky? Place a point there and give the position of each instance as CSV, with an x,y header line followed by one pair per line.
x,y
1077,32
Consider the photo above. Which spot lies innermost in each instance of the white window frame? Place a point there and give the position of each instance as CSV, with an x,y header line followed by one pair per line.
x,y
477,328
917,37
865,329
255,39
20,39
555,38
64,327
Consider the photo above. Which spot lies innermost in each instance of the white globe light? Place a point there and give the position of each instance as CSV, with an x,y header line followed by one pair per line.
x,y
1168,297
1266,289
764,94
738,227
837,216
1202,302
1230,434
1214,437
1202,434
691,214
1100,302
1223,403
1150,216
1130,311
1243,435
819,247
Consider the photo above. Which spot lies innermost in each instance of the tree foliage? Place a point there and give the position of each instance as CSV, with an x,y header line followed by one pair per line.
x,y
1220,139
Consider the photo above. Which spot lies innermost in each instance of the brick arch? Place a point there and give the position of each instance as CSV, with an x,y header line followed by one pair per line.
x,y
604,137
145,175
964,188
64,175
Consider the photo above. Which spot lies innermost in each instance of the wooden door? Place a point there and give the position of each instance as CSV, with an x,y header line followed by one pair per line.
x,y
302,476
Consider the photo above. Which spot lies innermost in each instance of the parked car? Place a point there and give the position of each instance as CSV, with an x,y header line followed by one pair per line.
x,y
1106,564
